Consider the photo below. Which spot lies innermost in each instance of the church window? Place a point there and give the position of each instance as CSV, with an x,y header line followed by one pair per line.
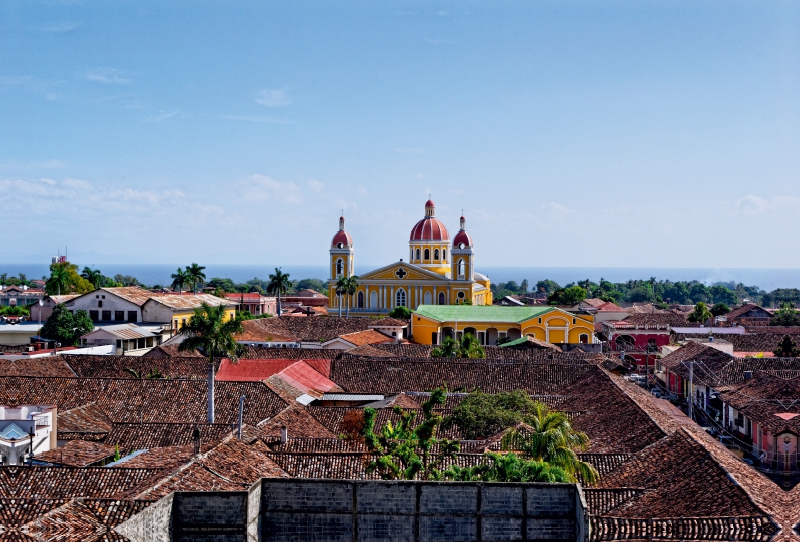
x,y
417,254
360,300
461,295
460,268
427,254
401,298
339,268
441,298
444,254
436,254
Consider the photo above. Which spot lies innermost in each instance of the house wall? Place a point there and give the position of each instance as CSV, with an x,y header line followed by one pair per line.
x,y
100,301
156,312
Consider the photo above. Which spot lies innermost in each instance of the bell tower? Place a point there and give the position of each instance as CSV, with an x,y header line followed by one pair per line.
x,y
341,253
462,254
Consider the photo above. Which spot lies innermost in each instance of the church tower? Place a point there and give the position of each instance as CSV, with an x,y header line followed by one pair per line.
x,y
342,253
428,243
462,255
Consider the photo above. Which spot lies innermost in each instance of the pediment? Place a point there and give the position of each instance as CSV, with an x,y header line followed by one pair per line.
x,y
409,272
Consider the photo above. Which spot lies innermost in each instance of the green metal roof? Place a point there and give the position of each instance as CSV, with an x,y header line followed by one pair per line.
x,y
516,342
480,313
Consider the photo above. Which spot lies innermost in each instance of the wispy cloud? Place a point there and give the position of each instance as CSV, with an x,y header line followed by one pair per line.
x,y
264,188
273,97
107,76
59,27
404,150
256,118
559,208
162,115
752,204
316,186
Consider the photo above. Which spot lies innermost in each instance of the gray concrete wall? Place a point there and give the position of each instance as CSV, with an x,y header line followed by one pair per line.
x,y
151,524
329,510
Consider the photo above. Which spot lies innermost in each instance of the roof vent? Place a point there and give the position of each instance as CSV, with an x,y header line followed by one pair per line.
x,y
748,375
284,434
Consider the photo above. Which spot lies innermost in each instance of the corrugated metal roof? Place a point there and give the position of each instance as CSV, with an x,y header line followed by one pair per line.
x,y
191,301
124,331
352,397
479,313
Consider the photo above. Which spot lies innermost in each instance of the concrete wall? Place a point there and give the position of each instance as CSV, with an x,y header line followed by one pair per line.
x,y
335,510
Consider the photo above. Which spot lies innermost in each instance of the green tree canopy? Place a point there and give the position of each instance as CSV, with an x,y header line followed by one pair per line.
x,y
402,313
719,309
480,415
787,348
195,275
65,327
786,316
466,347
567,296
508,467
700,313
279,284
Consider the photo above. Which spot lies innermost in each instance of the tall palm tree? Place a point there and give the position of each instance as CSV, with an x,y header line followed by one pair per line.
x,y
58,281
208,332
466,347
93,275
195,275
279,283
350,288
700,314
552,439
179,280
341,290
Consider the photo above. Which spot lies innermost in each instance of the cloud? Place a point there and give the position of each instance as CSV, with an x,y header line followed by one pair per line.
x,y
59,27
14,80
162,115
405,150
264,188
559,208
249,118
316,186
752,204
273,97
107,76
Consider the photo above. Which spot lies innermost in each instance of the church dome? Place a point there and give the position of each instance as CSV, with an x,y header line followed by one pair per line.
x,y
342,239
462,237
429,228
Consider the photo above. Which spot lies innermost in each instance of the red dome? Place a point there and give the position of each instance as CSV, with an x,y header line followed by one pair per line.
x,y
429,228
462,236
342,237
430,203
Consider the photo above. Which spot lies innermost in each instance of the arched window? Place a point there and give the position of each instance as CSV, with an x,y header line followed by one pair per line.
x,y
401,298
652,345
427,254
339,268
436,254
583,339
417,254
460,268
360,300
441,298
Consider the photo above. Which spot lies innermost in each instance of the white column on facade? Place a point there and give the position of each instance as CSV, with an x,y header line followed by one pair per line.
x,y
435,296
391,297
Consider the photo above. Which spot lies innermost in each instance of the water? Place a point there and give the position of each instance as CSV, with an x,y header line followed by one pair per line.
x,y
768,279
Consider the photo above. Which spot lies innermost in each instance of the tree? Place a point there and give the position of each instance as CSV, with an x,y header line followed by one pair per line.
x,y
195,275
350,289
126,280
310,284
3,279
94,276
480,415
508,468
700,313
341,289
179,280
402,313
58,281
567,296
65,327
552,439
279,284
466,347
209,332
406,451
719,309
722,294
787,348
547,286
786,316
523,287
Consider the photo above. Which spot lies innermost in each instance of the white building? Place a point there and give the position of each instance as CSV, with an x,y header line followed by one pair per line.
x,y
24,426
126,338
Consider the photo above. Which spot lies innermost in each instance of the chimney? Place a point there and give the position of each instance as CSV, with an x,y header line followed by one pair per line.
x,y
196,439
748,375
241,411
284,435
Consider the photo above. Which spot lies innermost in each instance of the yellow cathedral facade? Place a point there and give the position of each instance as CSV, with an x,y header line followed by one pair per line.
x,y
438,272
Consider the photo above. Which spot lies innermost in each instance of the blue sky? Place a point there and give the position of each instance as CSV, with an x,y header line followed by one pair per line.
x,y
571,133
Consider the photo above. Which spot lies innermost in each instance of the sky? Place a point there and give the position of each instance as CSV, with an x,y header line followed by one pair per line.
x,y
597,134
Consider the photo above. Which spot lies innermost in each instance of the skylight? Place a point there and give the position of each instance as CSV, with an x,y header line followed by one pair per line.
x,y
13,431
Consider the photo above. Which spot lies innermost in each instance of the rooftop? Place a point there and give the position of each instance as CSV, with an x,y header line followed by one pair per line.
x,y
478,313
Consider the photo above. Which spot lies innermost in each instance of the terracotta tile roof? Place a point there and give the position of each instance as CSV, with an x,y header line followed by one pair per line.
x,y
169,351
664,318
45,366
253,330
368,351
319,329
389,322
708,361
288,353
299,423
493,353
304,377
733,373
254,370
77,453
190,301
165,457
133,294
145,400
86,422
68,482
318,446
114,366
141,436
743,312
765,397
369,336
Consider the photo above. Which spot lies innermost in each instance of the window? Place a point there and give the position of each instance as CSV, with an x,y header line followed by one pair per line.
x,y
99,303
444,254
583,339
436,254
360,300
460,268
94,315
400,298
434,338
652,345
441,298
574,321
131,316
339,268
119,316
106,315
427,254
418,254
183,321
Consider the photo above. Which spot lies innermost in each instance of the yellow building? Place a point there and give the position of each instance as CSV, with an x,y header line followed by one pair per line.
x,y
438,271
431,324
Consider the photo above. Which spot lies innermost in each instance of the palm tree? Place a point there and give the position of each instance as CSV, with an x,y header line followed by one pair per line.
x,y
179,280
279,283
448,349
700,314
195,275
93,275
551,439
341,290
351,287
469,347
208,332
59,279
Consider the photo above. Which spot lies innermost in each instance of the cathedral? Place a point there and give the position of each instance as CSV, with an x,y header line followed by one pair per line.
x,y
438,272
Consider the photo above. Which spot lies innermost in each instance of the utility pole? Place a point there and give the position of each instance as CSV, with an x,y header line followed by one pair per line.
x,y
691,389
